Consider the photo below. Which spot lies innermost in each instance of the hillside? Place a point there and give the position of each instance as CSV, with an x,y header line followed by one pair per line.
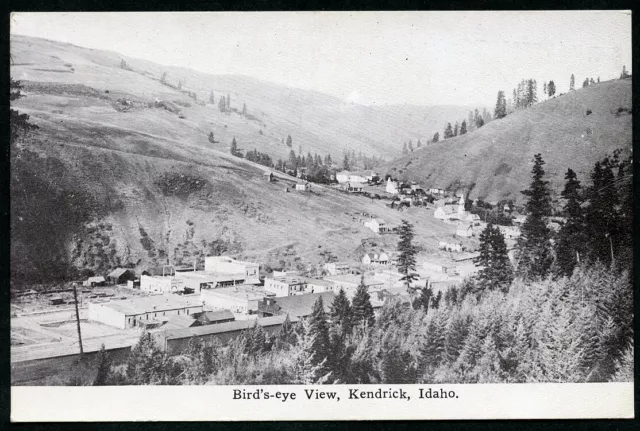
x,y
97,187
317,122
494,161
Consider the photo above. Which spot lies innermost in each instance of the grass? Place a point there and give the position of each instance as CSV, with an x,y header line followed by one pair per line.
x,y
497,157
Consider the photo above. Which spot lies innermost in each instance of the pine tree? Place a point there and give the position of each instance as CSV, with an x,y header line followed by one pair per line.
x,y
448,131
572,83
463,128
419,144
501,106
146,363
471,122
624,73
309,369
423,301
551,89
361,309
104,367
585,83
410,146
163,78
406,254
244,109
222,104
436,137
289,141
228,101
405,149
496,272
571,240
319,332
456,128
479,121
534,248
345,162
234,148
341,312
544,88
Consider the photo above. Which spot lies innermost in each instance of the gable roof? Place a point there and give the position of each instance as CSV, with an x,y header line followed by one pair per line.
x,y
302,305
98,279
118,272
221,328
180,321
216,316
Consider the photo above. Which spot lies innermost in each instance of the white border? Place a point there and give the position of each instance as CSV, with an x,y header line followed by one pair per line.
x,y
216,403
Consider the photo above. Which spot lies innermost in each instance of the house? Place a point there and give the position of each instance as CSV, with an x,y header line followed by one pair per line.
x,y
268,176
451,212
214,317
302,187
520,219
352,187
376,259
510,231
377,225
372,177
416,187
241,299
464,230
348,177
159,284
227,265
196,281
443,245
94,281
392,187
177,340
180,321
141,311
285,286
337,268
314,285
436,191
350,282
120,276
297,306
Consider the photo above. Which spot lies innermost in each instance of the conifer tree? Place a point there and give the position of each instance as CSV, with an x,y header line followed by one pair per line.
x,y
309,369
419,144
624,73
163,78
534,248
436,137
405,149
146,363
319,332
289,141
104,367
501,106
551,89
471,122
228,104
496,272
406,254
341,312
544,88
448,131
234,148
572,83
463,127
211,98
361,309
244,109
410,146
570,243
456,128
345,162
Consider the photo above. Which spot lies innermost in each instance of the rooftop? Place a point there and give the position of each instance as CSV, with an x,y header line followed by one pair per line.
x,y
215,316
179,321
150,304
289,279
302,305
208,276
241,291
352,278
221,328
116,273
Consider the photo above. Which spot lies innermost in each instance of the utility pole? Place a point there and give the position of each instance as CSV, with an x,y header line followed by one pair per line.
x,y
75,297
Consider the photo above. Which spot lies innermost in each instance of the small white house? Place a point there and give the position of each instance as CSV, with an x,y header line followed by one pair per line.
x,y
376,259
510,231
377,225
392,187
464,230
302,187
337,268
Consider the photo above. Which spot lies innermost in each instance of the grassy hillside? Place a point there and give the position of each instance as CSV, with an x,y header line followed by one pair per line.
x,y
97,187
495,161
317,122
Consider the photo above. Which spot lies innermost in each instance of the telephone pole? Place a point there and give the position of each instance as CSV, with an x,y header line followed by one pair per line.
x,y
75,297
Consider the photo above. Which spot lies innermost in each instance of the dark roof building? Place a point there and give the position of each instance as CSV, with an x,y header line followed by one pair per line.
x,y
296,306
214,317
121,276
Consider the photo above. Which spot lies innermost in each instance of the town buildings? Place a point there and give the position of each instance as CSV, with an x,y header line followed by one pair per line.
x,y
241,299
377,225
227,265
349,177
381,259
121,276
337,268
350,283
296,306
142,311
160,284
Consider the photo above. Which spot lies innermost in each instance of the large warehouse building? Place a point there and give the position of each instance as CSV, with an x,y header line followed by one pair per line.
x,y
142,311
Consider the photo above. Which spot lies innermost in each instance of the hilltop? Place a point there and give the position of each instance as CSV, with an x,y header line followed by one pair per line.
x,y
105,183
318,123
573,130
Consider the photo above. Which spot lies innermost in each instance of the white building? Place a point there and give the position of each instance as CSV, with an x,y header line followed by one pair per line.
x,y
510,231
337,268
227,265
284,286
159,284
376,259
464,230
141,311
302,187
348,177
350,283
377,225
392,187
241,299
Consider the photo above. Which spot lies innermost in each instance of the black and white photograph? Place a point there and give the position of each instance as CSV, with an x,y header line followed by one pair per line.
x,y
387,206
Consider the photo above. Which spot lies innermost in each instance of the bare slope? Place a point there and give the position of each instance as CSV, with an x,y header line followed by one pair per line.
x,y
495,160
317,122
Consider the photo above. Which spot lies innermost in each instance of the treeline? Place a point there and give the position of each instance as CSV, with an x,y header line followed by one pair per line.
x,y
313,168
475,120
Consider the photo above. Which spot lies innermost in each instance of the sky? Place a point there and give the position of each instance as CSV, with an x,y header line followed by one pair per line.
x,y
420,58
